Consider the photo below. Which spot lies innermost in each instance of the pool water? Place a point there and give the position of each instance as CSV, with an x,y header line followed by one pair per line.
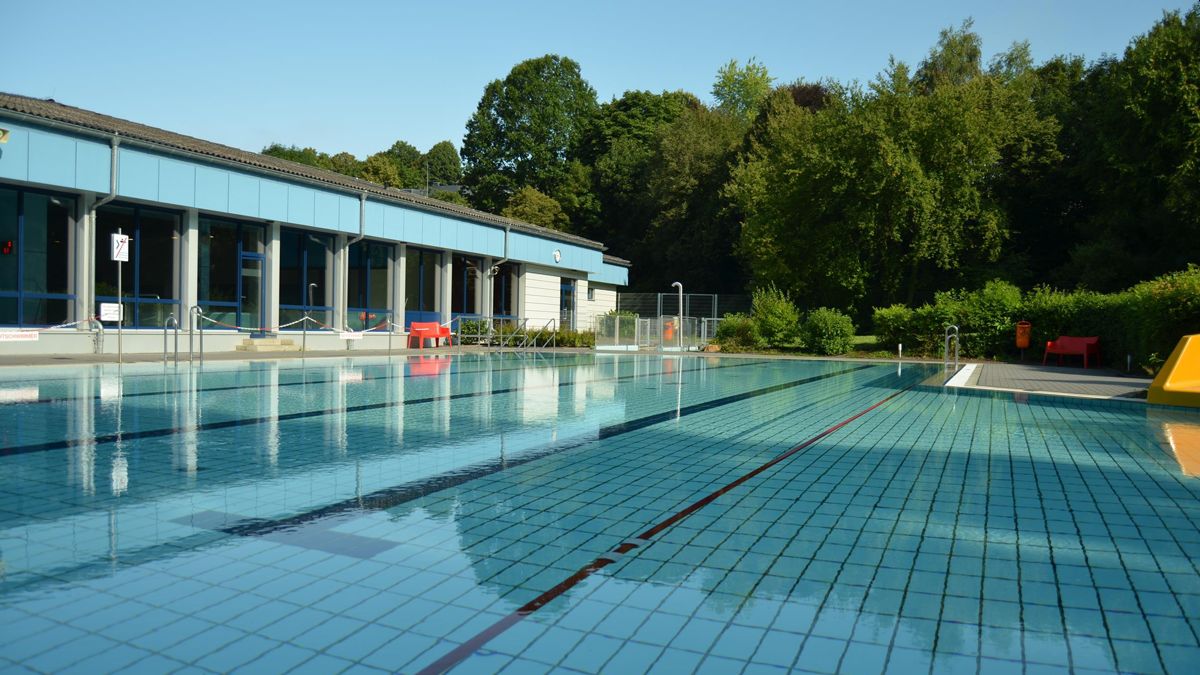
x,y
589,513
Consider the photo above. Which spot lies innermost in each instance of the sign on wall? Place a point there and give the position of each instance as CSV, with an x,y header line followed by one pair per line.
x,y
110,311
120,248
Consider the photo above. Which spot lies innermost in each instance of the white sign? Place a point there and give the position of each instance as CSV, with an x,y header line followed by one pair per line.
x,y
350,336
120,248
110,311
18,336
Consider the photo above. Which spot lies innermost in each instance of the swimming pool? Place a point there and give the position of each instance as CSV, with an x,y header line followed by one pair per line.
x,y
617,513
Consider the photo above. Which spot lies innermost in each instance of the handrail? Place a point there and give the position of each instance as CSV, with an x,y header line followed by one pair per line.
x,y
196,324
951,334
98,344
168,321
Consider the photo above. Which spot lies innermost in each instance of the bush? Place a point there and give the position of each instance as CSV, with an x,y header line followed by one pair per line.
x,y
989,317
893,325
776,316
828,332
627,325
738,332
574,338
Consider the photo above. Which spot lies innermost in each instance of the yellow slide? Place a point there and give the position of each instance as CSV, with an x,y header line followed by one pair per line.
x,y
1178,383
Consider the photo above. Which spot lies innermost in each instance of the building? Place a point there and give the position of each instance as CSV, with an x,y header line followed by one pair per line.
x,y
254,241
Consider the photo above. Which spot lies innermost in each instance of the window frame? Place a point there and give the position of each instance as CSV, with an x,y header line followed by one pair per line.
x,y
20,295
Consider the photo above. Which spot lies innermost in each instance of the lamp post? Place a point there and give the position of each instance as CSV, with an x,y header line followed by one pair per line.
x,y
679,287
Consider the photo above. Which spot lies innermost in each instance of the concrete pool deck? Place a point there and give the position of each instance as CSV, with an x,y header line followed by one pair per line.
x,y
1059,380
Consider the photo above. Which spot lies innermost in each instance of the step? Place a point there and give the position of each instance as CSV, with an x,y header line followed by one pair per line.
x,y
268,348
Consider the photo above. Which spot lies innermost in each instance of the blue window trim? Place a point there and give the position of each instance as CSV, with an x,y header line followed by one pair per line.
x,y
21,294
463,278
303,263
421,313
133,296
242,256
363,251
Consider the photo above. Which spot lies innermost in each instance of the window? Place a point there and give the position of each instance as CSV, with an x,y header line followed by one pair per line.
x,y
35,258
463,300
305,277
591,294
370,267
148,280
229,282
420,285
504,291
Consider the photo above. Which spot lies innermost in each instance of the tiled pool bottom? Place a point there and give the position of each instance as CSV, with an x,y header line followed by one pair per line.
x,y
375,515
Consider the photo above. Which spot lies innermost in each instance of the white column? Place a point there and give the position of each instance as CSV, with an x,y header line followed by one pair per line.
x,y
519,294
399,284
271,277
485,288
339,273
82,280
446,285
189,264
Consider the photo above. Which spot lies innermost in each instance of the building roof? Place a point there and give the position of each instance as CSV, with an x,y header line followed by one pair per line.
x,y
614,260
85,120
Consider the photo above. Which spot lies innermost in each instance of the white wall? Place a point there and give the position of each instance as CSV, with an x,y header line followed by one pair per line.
x,y
606,301
543,289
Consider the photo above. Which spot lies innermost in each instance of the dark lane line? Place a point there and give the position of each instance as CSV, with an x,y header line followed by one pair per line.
x,y
164,392
389,497
386,498
466,649
250,421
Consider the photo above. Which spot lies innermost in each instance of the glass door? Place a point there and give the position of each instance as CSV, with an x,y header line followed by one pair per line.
x,y
566,305
251,291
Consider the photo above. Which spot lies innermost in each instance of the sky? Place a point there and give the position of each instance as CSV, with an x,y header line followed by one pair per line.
x,y
357,75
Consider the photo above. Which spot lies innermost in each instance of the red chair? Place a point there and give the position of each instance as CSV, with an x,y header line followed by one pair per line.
x,y
427,330
1073,346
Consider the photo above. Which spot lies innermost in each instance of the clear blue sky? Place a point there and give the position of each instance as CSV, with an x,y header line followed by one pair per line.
x,y
357,76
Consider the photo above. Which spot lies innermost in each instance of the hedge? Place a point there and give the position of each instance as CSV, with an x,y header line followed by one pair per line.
x,y
1144,321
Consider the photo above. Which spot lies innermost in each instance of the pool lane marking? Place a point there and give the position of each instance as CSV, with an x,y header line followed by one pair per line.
x,y
389,497
200,390
466,649
250,421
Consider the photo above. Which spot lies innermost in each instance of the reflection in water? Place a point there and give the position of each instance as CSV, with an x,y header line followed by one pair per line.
x,y
1180,436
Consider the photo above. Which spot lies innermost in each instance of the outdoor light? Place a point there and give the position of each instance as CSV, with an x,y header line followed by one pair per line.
x,y
4,133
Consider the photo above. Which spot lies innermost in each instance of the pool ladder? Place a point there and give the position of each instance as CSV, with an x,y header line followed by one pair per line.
x,y
951,335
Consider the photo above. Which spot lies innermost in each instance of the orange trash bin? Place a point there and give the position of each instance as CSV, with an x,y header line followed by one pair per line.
x,y
1024,329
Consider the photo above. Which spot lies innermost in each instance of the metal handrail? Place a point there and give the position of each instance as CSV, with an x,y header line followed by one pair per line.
x,y
98,344
196,324
166,322
951,334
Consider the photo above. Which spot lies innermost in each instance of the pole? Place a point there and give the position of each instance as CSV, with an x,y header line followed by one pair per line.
x,y
120,307
679,287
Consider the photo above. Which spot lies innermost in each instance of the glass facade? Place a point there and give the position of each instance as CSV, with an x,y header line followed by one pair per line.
x,y
149,279
229,280
368,306
305,277
464,298
35,258
504,291
420,285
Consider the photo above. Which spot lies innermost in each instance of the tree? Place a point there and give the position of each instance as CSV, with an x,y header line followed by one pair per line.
x,y
956,59
345,163
443,164
380,168
449,196
528,205
523,128
739,90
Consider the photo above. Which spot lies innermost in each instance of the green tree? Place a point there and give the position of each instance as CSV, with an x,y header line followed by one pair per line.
x,y
531,206
443,164
740,90
382,169
345,163
523,128
449,196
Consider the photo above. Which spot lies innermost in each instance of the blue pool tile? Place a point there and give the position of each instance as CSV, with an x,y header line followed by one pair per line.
x,y
864,658
904,661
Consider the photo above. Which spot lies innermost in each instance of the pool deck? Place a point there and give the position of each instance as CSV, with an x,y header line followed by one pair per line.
x,y
1036,378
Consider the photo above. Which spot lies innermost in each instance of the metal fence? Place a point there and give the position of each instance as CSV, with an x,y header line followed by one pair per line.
x,y
697,305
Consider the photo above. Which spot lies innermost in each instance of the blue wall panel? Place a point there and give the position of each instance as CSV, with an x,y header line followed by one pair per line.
x,y
14,155
66,161
176,182
301,205
243,194
92,164
137,175
51,159
212,189
347,214
611,274
325,213
272,200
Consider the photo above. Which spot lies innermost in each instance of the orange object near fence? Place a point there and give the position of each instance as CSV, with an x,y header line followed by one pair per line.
x,y
1024,330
